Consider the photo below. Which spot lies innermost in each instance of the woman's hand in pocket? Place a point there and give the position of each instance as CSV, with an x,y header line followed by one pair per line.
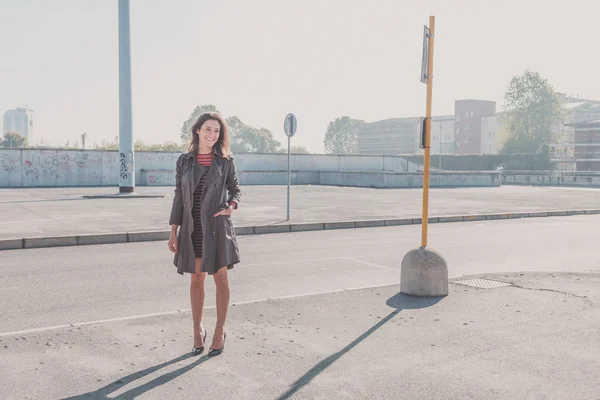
x,y
226,211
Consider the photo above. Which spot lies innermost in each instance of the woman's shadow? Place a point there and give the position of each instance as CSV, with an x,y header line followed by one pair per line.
x,y
103,392
399,302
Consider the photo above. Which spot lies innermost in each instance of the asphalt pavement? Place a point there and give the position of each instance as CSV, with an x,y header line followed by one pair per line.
x,y
317,315
77,284
524,341
26,213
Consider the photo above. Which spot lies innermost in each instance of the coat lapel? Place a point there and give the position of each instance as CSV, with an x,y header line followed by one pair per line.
x,y
190,176
216,168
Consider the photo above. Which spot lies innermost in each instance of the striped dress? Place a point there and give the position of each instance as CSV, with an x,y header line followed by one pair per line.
x,y
202,160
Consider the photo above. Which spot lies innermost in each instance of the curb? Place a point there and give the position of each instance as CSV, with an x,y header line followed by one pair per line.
x,y
149,236
122,196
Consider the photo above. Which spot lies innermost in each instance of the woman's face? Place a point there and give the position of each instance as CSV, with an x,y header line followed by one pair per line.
x,y
209,134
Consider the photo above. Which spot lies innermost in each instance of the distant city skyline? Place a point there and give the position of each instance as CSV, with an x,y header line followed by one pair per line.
x,y
19,120
261,60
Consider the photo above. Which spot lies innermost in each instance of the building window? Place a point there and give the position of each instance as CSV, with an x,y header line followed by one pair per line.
x,y
457,132
457,118
467,114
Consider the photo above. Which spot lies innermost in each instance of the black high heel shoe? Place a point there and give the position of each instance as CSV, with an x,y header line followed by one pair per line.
x,y
199,350
218,352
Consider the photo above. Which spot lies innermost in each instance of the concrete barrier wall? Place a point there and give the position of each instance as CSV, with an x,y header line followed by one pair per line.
x,y
409,180
546,179
321,162
56,167
278,177
341,178
10,168
30,167
48,168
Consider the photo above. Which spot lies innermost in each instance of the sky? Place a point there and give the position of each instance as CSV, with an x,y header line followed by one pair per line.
x,y
262,59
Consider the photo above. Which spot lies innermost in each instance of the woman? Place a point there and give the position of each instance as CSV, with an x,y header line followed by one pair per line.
x,y
206,193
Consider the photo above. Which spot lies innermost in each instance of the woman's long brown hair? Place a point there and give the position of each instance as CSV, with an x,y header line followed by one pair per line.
x,y
222,145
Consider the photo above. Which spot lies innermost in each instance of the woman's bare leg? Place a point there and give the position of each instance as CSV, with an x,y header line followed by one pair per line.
x,y
197,295
223,294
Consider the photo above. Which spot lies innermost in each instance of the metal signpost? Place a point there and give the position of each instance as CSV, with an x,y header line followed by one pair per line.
x,y
427,77
424,271
289,126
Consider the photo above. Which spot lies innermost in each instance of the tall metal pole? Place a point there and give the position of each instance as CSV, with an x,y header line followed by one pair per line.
x,y
126,155
424,271
427,158
289,181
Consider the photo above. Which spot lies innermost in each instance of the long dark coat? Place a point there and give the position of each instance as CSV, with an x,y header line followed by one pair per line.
x,y
219,247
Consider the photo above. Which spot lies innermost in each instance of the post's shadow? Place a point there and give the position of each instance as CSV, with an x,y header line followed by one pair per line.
x,y
103,392
399,302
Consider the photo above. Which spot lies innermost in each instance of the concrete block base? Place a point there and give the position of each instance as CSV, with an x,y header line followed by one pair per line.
x,y
424,273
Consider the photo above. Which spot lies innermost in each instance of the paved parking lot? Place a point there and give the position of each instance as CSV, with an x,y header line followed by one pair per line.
x,y
63,211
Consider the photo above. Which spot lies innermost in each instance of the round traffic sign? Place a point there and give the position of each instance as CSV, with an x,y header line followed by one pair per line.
x,y
290,124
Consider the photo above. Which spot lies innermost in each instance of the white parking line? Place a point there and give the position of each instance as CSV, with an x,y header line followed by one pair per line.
x,y
134,317
369,263
291,261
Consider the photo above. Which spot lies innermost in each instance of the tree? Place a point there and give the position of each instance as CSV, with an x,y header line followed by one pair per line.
x,y
187,125
247,139
243,138
105,145
532,113
139,145
342,136
295,150
13,140
172,146
167,146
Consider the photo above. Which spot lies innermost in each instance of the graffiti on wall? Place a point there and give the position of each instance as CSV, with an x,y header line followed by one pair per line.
x,y
126,165
9,162
152,157
160,178
81,157
42,165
